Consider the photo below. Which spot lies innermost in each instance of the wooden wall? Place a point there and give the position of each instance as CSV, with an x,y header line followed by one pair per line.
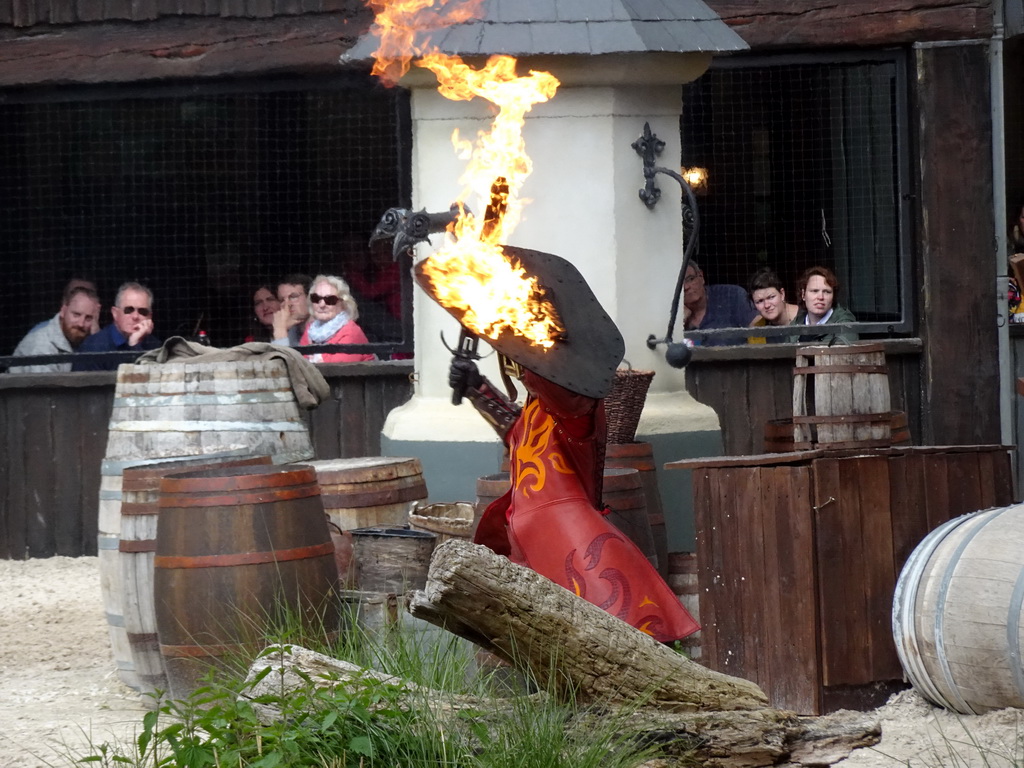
x,y
819,24
947,379
27,13
957,313
53,434
748,387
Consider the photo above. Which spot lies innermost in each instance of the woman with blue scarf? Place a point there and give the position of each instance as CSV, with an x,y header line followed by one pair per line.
x,y
332,320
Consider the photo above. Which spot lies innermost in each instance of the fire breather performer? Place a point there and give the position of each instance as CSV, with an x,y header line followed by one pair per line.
x,y
552,519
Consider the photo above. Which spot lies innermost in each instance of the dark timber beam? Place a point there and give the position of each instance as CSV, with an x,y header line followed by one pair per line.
x,y
827,23
177,49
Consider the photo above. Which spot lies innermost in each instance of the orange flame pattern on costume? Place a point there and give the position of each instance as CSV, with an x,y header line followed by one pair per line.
x,y
533,458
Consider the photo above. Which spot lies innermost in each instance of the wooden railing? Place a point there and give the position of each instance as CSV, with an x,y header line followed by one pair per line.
x,y
53,434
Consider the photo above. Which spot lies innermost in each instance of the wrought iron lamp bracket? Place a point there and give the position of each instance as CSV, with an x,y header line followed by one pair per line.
x,y
649,146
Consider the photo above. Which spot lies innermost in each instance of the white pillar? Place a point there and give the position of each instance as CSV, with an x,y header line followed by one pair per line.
x,y
584,206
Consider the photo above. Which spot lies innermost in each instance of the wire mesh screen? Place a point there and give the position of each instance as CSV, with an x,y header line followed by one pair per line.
x,y
202,197
803,169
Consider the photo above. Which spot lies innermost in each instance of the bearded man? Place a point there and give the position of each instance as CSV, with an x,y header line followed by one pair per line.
x,y
62,334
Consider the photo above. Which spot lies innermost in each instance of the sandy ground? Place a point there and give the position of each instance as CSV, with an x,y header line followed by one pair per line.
x,y
59,692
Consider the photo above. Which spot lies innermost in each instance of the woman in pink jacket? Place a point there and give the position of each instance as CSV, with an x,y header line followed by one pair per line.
x,y
332,320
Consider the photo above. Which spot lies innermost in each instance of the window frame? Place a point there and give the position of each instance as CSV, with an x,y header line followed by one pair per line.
x,y
182,89
903,193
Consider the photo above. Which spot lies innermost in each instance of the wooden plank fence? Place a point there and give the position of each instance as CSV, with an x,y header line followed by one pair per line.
x,y
53,434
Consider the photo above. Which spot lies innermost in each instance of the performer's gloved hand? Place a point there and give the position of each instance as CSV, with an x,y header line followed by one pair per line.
x,y
463,374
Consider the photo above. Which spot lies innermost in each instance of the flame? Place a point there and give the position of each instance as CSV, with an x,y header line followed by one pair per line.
x,y
398,21
470,272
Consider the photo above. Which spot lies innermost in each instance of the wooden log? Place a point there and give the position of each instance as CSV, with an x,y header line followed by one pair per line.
x,y
736,739
565,642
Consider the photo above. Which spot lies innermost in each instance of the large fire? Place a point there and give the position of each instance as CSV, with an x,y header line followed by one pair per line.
x,y
470,272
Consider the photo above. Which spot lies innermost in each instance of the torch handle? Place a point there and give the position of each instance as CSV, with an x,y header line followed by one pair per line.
x,y
466,350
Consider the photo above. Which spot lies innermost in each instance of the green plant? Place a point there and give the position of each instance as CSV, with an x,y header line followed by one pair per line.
x,y
374,724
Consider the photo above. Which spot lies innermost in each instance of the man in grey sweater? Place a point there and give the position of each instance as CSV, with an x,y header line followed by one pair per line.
x,y
62,333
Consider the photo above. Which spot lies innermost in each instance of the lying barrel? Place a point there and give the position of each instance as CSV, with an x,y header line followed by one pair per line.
x,y
370,491
640,456
957,612
778,434
239,550
140,497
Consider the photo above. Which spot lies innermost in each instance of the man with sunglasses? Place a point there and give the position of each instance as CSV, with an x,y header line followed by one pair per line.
x,y
131,331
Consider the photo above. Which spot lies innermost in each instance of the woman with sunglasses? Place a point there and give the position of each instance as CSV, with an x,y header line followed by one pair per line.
x,y
132,329
332,320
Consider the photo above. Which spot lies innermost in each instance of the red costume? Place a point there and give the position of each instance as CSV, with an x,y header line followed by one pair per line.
x,y
551,519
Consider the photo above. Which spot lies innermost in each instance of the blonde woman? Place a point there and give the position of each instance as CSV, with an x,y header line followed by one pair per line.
x,y
332,320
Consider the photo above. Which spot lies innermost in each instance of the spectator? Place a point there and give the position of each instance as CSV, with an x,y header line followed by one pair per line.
x,y
132,329
769,299
62,333
818,288
1017,230
716,306
72,284
264,305
333,320
290,319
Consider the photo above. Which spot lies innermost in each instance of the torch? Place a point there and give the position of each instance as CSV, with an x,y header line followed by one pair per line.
x,y
469,341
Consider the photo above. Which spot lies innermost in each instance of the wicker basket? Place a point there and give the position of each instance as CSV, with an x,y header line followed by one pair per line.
x,y
625,403
448,521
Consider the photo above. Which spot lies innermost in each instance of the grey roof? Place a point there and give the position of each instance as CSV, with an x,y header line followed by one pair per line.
x,y
581,27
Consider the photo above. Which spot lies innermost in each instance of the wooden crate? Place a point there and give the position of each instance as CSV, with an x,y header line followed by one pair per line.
x,y
798,556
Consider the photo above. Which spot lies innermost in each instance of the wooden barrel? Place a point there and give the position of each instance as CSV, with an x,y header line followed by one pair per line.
x,y
178,410
778,434
957,612
108,541
370,491
108,545
446,520
194,408
391,559
239,550
841,397
490,488
623,493
640,456
140,494
682,578
384,618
